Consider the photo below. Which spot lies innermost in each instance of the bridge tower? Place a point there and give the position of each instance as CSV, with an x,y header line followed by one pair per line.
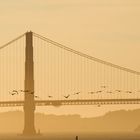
x,y
29,104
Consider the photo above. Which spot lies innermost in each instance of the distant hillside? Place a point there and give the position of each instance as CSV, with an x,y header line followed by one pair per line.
x,y
113,121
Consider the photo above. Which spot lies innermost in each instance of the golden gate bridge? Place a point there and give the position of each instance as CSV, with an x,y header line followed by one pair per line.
x,y
37,71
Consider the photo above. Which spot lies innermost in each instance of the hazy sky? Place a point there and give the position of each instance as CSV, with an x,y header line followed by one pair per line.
x,y
107,29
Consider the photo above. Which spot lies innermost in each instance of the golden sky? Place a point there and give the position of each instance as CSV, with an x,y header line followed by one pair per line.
x,y
107,29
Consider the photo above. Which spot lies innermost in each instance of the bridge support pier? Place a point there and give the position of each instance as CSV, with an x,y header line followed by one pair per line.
x,y
29,128
29,104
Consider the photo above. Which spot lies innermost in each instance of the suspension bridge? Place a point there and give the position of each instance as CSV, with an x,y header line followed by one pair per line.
x,y
37,71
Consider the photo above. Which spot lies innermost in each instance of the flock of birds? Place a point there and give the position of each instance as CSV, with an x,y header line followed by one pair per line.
x,y
101,91
16,92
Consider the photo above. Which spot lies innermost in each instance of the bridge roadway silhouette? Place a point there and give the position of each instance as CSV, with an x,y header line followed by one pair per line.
x,y
72,102
29,103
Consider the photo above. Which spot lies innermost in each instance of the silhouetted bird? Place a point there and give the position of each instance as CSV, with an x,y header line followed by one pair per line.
x,y
12,93
99,91
36,96
118,90
128,91
67,96
24,90
76,93
103,86
91,92
31,92
15,91
50,96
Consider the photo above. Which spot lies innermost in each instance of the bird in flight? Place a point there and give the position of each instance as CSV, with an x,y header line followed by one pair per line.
x,y
128,91
91,92
14,92
99,91
67,96
50,96
31,92
36,96
118,90
103,86
24,91
76,93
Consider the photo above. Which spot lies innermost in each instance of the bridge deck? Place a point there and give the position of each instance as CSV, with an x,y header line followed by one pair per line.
x,y
72,102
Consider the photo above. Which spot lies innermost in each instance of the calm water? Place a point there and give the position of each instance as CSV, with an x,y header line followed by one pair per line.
x,y
71,136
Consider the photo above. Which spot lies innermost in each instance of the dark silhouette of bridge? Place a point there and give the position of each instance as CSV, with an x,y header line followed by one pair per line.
x,y
74,78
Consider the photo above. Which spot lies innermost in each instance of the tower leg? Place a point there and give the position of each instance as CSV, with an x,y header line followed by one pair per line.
x,y
29,104
29,128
